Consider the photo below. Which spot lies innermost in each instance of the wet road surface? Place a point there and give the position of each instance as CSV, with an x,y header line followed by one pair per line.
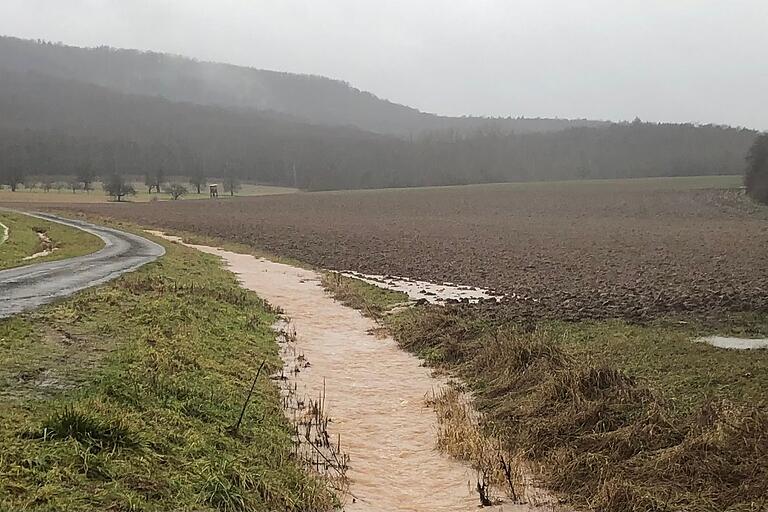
x,y
27,287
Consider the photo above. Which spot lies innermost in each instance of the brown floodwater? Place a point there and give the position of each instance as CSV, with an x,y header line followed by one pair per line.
x,y
375,395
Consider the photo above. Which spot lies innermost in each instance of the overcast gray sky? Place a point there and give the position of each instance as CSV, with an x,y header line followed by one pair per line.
x,y
661,60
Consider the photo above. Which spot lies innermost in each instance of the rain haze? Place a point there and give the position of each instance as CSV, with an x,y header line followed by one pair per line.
x,y
683,61
402,256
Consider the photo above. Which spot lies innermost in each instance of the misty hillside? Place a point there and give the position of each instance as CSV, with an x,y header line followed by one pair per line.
x,y
56,120
308,98
55,126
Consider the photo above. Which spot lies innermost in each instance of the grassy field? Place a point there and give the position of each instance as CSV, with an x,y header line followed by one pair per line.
x,y
612,416
123,398
97,195
24,240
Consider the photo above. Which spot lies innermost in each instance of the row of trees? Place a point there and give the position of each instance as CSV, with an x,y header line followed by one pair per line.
x,y
622,151
115,184
156,179
18,176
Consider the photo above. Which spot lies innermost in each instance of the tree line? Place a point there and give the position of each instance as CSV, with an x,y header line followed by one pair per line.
x,y
56,127
49,161
622,151
756,177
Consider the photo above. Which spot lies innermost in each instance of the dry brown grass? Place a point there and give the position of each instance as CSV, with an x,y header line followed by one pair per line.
x,y
600,438
460,435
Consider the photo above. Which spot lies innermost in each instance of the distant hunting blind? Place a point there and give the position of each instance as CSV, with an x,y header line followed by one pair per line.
x,y
214,190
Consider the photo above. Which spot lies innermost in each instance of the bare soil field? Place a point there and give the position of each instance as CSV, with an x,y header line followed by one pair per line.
x,y
634,249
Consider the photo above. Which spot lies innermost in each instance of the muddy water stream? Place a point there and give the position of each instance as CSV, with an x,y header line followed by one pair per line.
x,y
375,396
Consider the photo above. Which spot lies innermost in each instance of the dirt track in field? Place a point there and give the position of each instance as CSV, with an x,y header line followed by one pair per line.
x,y
636,251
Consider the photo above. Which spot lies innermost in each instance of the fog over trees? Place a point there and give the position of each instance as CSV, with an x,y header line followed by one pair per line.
x,y
756,178
87,112
311,99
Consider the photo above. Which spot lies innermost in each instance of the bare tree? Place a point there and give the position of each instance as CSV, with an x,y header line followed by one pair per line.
x,y
231,181
30,182
14,169
175,190
47,183
198,180
154,180
232,185
756,179
116,186
87,176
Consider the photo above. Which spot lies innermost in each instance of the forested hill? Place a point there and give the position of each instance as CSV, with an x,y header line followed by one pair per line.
x,y
312,99
55,124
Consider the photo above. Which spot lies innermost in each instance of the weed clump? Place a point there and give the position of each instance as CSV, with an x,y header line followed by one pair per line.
x,y
87,429
590,432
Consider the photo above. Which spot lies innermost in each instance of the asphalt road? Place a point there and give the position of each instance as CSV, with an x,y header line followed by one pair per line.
x,y
24,288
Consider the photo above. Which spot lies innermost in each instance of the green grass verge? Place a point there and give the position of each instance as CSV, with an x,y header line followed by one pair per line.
x,y
668,360
372,300
664,357
122,398
23,240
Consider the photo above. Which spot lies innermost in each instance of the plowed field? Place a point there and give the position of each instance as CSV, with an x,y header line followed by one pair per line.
x,y
634,249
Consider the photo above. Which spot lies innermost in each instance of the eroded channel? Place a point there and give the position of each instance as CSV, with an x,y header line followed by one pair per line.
x,y
375,395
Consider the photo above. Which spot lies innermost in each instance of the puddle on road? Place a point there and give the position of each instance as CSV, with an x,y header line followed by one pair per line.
x,y
735,343
424,290
375,395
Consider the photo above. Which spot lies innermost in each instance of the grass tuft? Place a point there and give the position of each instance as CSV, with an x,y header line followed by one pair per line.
x,y
87,429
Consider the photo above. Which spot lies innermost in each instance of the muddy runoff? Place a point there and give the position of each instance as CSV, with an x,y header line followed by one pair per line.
x,y
374,394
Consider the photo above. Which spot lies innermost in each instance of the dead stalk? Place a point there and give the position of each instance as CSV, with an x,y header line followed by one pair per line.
x,y
248,398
